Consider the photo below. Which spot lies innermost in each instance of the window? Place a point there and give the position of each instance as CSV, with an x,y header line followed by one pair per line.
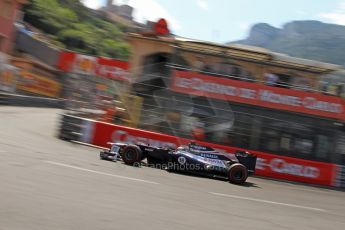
x,y
303,145
288,138
303,83
241,130
333,83
284,80
285,142
187,123
322,146
270,140
156,64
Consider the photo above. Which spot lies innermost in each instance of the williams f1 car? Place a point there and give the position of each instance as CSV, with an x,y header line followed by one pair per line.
x,y
192,158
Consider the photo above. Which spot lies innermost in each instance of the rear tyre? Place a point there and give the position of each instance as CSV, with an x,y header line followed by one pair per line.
x,y
132,154
237,173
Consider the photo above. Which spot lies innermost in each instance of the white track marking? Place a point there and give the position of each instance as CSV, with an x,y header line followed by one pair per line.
x,y
282,184
100,173
269,202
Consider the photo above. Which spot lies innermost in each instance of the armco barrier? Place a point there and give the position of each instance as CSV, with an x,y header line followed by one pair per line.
x,y
30,101
74,128
340,176
268,165
36,48
4,99
70,128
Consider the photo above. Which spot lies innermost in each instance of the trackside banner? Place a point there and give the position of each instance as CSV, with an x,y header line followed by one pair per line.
x,y
257,94
268,165
101,66
38,84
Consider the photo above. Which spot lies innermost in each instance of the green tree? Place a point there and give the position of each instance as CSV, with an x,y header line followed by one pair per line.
x,y
73,26
111,48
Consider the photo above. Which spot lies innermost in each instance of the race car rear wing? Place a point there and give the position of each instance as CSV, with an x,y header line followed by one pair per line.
x,y
247,159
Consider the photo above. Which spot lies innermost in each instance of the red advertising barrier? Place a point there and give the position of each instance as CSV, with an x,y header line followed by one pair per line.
x,y
100,66
257,94
268,165
112,68
104,132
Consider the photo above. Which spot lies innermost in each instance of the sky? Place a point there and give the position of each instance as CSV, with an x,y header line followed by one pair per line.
x,y
222,21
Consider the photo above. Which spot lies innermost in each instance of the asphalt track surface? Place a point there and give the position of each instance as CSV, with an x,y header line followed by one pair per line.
x,y
46,183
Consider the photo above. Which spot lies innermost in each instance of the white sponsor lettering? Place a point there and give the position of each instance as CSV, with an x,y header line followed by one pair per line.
x,y
198,147
111,71
312,103
281,166
269,96
213,156
260,163
214,162
247,93
307,102
209,87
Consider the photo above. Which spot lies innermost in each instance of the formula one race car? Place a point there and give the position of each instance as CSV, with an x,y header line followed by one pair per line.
x,y
192,158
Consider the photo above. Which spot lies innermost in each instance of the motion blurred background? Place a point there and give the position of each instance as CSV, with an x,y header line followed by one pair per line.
x,y
279,91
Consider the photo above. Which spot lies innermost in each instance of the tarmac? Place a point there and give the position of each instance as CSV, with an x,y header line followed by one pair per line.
x,y
47,183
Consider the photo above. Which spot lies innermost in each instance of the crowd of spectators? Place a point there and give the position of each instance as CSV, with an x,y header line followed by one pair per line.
x,y
288,80
224,69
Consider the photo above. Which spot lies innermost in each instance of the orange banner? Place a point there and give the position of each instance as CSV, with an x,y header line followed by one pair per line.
x,y
7,80
37,84
259,95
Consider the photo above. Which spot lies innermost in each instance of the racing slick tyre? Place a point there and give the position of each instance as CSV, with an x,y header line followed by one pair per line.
x,y
237,173
132,154
100,156
105,157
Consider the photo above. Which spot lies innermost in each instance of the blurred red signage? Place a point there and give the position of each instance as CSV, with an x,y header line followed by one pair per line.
x,y
257,94
89,65
268,165
161,27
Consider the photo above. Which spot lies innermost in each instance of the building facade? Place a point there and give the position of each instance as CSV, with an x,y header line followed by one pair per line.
x,y
9,11
245,97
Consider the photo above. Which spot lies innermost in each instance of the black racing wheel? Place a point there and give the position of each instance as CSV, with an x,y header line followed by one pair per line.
x,y
237,173
131,154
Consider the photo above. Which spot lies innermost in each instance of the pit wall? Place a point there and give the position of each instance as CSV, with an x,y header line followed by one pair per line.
x,y
268,165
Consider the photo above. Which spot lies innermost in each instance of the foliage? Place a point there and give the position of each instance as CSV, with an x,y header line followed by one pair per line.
x,y
73,26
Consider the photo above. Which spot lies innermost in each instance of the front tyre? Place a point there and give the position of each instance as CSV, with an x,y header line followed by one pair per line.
x,y
132,154
101,156
237,173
